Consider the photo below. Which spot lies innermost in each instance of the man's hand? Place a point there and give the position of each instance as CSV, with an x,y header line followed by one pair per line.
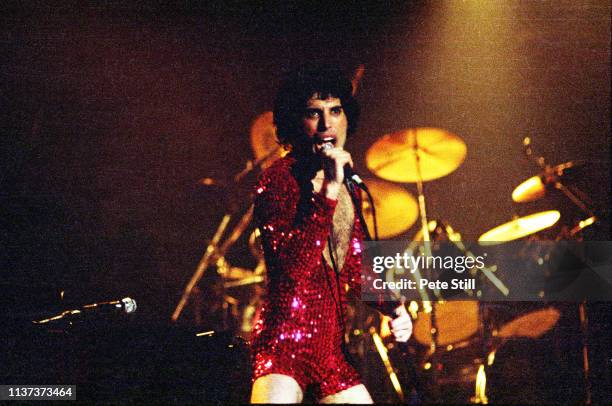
x,y
401,326
334,160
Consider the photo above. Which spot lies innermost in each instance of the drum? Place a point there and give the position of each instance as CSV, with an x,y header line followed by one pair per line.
x,y
509,320
528,371
455,320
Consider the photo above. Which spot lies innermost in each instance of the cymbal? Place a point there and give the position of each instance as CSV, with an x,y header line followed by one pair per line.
x,y
534,188
263,139
520,227
530,190
392,156
396,209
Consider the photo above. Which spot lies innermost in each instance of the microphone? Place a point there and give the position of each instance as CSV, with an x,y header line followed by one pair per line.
x,y
350,179
349,174
126,305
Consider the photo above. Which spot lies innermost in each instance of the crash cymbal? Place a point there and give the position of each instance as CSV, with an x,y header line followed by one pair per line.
x,y
520,227
530,190
396,209
392,156
534,188
263,139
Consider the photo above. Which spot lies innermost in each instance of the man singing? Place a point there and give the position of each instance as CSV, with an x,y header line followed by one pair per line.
x,y
311,236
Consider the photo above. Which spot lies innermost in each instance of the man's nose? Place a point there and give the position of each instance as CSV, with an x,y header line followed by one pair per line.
x,y
324,121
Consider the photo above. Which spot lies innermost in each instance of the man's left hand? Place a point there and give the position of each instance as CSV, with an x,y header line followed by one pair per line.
x,y
401,326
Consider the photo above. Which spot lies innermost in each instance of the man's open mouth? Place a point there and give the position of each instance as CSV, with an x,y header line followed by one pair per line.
x,y
326,140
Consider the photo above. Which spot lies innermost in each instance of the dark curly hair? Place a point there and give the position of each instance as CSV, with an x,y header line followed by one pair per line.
x,y
299,86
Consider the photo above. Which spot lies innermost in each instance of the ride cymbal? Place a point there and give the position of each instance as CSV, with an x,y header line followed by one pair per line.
x,y
392,157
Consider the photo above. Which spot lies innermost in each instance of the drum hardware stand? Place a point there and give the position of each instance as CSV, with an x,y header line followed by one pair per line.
x,y
384,356
427,251
480,396
573,196
254,164
553,175
455,238
584,327
213,250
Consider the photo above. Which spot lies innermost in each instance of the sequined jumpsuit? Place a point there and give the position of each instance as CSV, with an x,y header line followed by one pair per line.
x,y
301,329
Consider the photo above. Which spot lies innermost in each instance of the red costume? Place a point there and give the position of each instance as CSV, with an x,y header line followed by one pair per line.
x,y
300,333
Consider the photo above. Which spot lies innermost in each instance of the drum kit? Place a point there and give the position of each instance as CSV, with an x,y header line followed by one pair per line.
x,y
441,327
451,330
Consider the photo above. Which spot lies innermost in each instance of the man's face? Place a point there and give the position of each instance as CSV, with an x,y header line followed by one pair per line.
x,y
325,121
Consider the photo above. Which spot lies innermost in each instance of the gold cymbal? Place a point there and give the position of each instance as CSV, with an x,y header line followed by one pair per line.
x,y
520,227
534,188
392,156
530,190
396,209
263,139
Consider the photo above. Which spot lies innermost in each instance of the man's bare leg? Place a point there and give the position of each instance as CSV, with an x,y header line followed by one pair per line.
x,y
355,394
276,388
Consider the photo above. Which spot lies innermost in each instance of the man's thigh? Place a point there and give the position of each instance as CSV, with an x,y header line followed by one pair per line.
x,y
276,388
355,394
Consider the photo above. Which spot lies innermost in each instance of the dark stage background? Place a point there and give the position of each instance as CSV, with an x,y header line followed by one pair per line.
x,y
112,111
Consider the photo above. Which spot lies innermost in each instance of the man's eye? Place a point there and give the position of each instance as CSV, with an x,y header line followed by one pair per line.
x,y
336,110
312,113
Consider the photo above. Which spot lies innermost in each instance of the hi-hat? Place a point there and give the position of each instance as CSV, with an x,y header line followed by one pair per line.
x,y
392,157
520,227
396,209
263,139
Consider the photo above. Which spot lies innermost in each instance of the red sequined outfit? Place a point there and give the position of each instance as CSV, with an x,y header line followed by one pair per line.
x,y
301,329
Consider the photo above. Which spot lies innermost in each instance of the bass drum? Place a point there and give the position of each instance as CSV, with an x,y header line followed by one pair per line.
x,y
542,366
528,371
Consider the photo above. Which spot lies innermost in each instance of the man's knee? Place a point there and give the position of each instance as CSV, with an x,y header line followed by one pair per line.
x,y
276,388
356,394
